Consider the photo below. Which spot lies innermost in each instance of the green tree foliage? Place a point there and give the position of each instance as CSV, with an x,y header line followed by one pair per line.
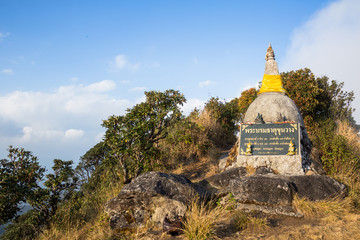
x,y
227,114
203,133
19,181
60,185
25,227
90,161
132,139
20,178
244,101
187,139
334,149
318,98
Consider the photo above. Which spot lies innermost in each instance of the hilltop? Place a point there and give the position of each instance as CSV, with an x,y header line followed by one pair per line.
x,y
155,136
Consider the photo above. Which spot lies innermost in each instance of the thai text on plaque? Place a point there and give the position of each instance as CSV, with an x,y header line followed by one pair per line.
x,y
270,139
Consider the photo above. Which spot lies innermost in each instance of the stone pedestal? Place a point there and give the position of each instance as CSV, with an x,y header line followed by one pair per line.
x,y
280,164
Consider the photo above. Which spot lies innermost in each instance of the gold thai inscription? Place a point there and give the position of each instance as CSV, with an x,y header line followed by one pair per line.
x,y
269,139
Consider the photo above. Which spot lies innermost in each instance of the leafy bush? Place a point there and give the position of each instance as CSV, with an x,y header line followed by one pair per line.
x,y
132,139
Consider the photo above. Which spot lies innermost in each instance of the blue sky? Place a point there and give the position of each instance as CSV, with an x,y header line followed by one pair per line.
x,y
67,65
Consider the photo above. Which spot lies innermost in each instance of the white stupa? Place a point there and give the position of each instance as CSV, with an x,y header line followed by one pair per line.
x,y
272,102
274,106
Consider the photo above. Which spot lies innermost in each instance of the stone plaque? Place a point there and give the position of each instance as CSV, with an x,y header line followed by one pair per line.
x,y
270,139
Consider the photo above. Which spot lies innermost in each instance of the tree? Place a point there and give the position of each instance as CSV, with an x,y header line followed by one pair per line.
x,y
132,139
244,101
19,181
60,185
227,115
90,161
317,98
20,178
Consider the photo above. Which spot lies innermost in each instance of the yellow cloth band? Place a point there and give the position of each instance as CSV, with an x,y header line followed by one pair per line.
x,y
271,83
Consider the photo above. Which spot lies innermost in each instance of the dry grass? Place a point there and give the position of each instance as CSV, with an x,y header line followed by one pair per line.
x,y
349,173
99,229
345,129
97,226
201,219
336,206
196,171
242,221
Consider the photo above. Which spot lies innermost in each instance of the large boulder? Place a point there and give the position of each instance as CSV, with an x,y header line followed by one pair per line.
x,y
271,193
317,187
153,197
162,198
261,190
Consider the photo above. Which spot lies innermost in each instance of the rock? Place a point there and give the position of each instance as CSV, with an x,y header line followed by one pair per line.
x,y
223,159
263,170
262,190
151,197
172,227
316,164
222,180
317,187
156,196
170,185
272,193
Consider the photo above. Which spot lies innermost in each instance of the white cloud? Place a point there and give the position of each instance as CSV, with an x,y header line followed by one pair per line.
x,y
121,62
27,134
3,35
191,104
68,118
329,44
74,79
137,89
99,136
205,83
8,71
195,61
73,133
103,86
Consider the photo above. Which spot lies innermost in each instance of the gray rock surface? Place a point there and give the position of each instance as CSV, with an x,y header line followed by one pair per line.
x,y
151,197
317,187
156,196
271,193
262,190
222,179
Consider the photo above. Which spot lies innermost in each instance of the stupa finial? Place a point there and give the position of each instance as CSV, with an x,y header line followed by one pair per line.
x,y
272,80
270,53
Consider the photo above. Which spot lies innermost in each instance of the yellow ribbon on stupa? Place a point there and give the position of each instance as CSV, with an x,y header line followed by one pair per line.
x,y
271,83
272,80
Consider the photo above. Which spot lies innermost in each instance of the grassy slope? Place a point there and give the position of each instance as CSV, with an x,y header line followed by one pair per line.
x,y
336,219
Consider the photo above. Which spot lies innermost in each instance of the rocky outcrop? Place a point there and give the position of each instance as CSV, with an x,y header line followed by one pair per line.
x,y
317,187
271,193
163,198
151,197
